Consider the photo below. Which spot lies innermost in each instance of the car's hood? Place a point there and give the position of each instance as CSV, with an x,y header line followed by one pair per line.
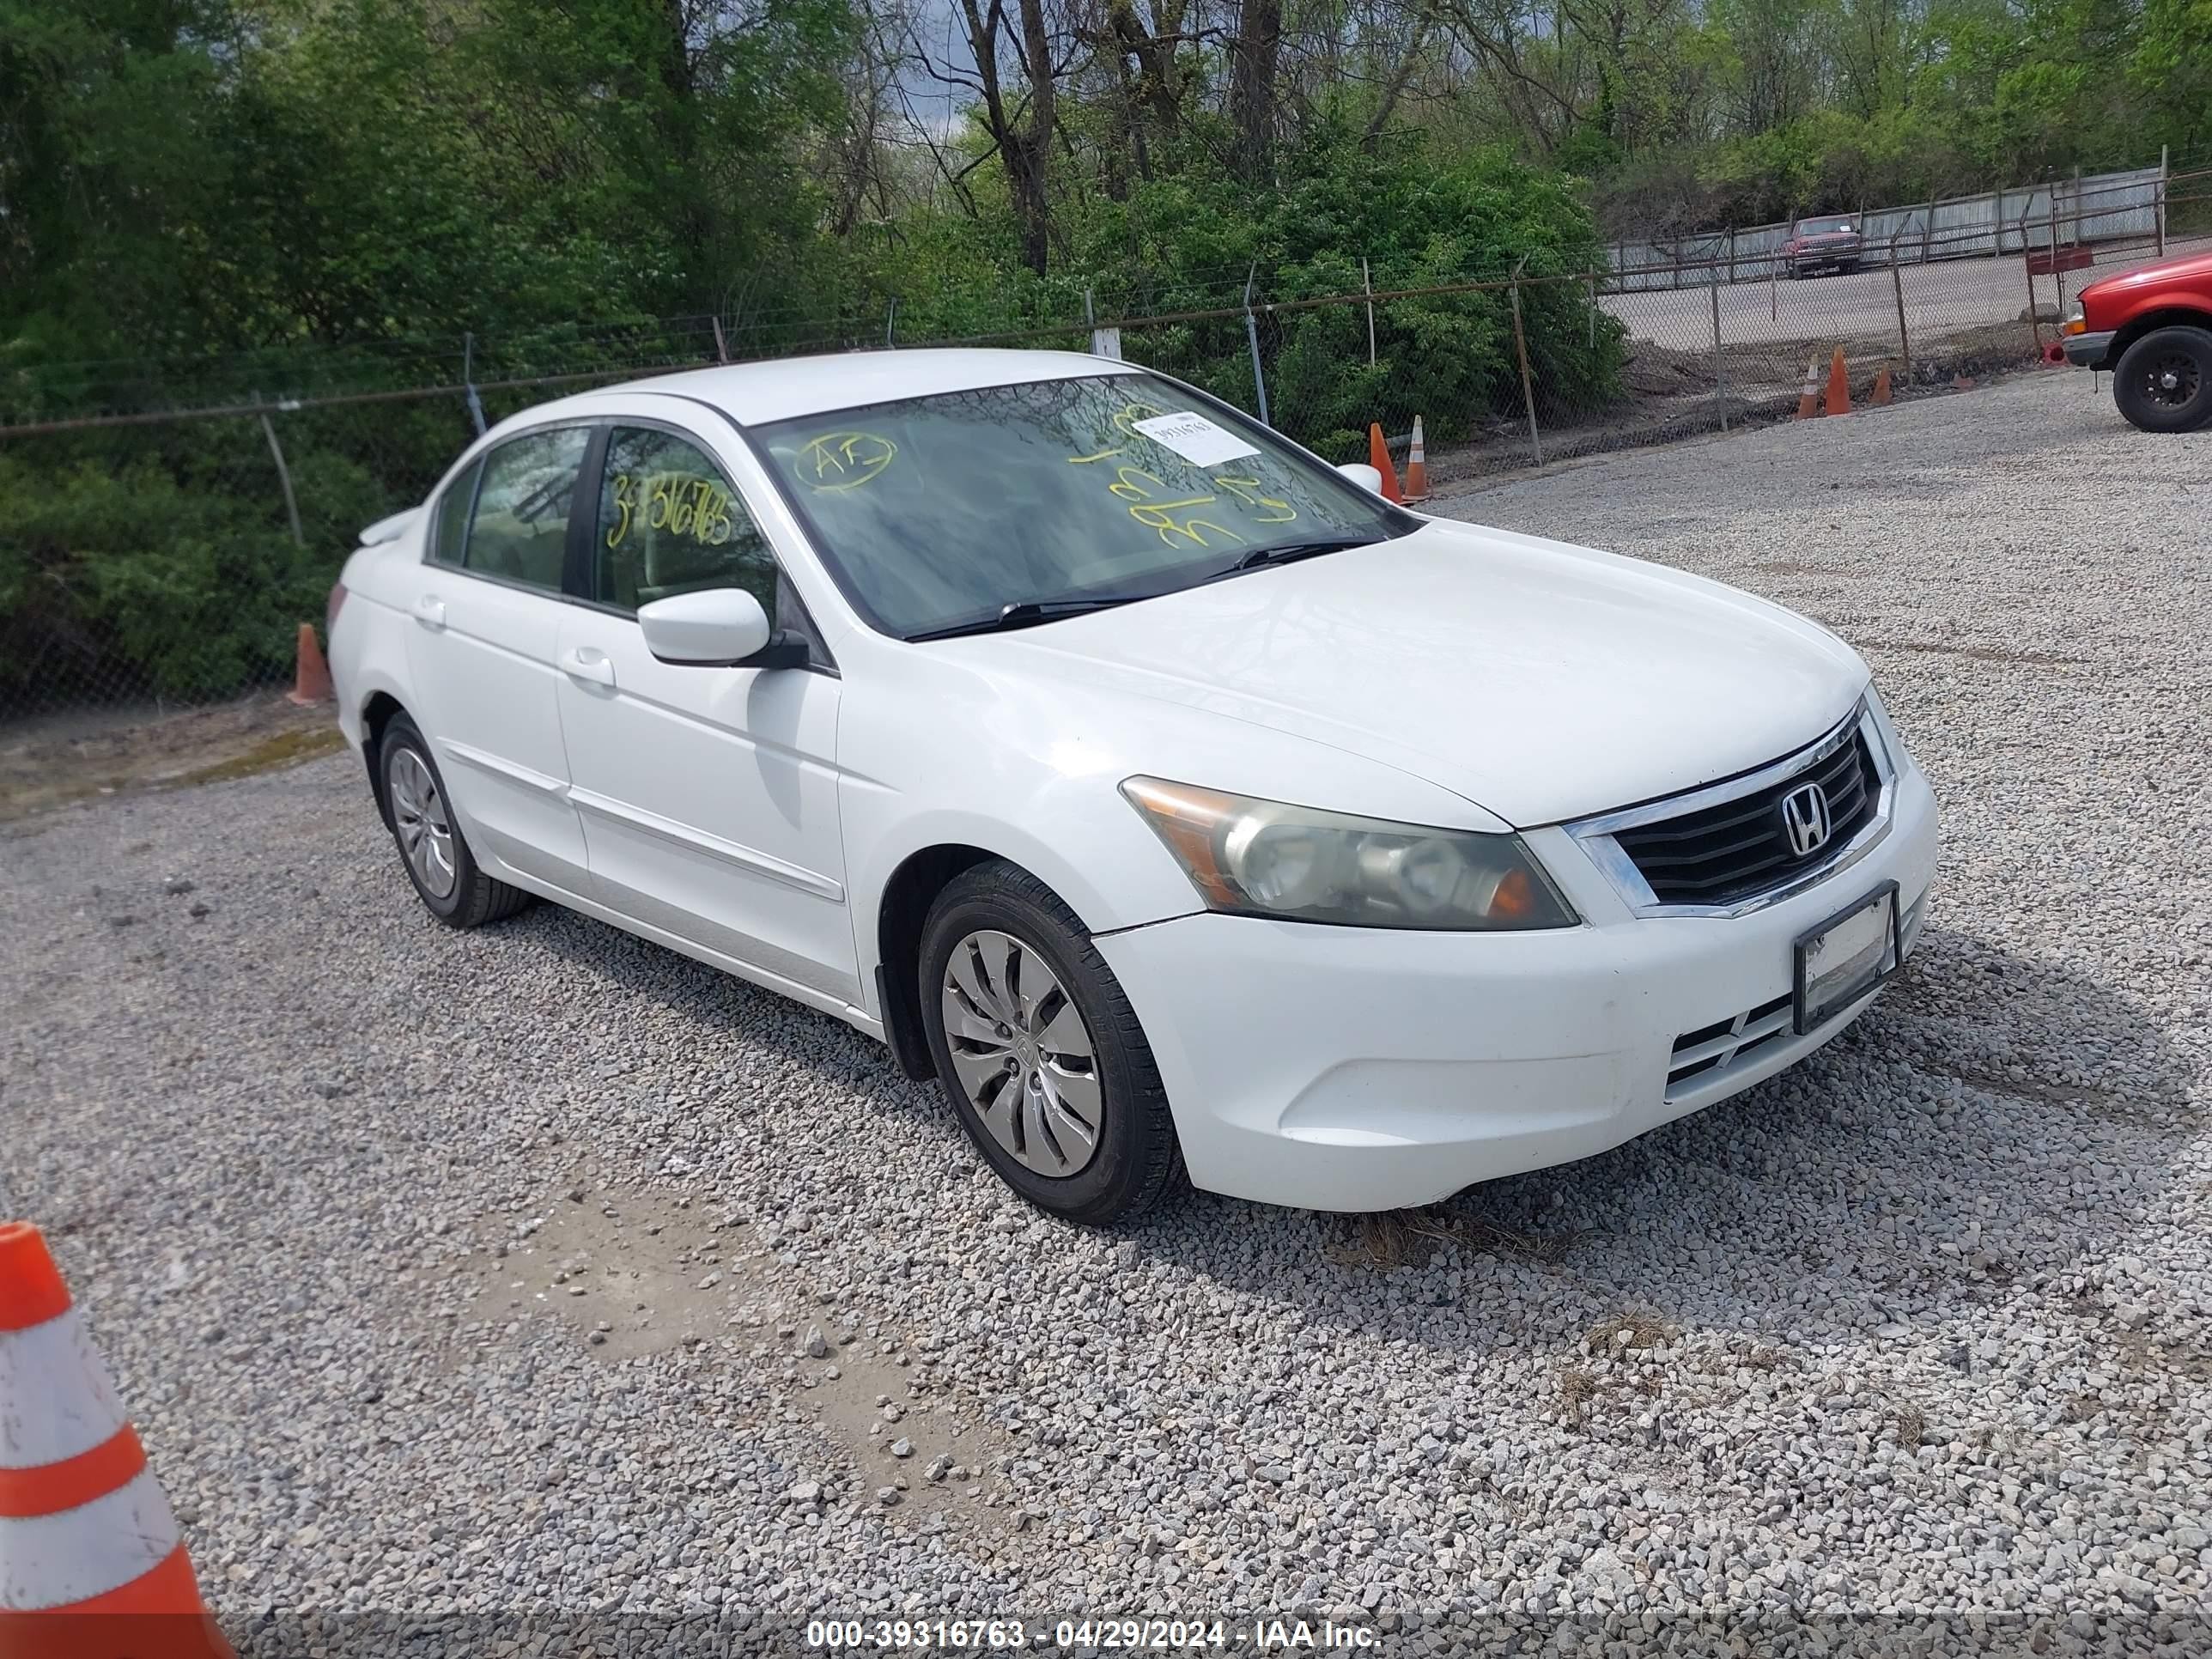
x,y
1541,681
2181,268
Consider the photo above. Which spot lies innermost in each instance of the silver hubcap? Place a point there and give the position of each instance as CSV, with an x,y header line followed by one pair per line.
x,y
1023,1053
2174,381
418,815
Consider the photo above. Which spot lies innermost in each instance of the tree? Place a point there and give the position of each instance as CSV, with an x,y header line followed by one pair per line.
x,y
1256,52
1021,131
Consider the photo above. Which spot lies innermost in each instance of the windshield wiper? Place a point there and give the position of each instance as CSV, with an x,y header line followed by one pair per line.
x,y
1026,613
1291,552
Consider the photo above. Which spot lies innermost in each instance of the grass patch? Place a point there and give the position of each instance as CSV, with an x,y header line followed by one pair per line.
x,y
271,754
1406,1239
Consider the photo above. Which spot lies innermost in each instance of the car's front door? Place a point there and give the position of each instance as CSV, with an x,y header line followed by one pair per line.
x,y
709,795
487,621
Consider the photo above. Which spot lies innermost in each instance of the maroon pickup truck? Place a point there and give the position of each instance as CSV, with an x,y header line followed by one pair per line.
x,y
1831,242
2152,329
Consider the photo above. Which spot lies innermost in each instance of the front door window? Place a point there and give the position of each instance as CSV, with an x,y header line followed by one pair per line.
x,y
669,522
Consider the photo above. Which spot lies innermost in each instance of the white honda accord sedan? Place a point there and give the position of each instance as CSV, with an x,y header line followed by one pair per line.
x,y
1172,798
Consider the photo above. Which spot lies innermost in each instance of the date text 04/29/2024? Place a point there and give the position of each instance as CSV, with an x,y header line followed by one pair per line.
x,y
1262,1635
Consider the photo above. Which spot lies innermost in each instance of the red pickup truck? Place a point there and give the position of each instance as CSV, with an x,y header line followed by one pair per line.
x,y
1831,242
2152,329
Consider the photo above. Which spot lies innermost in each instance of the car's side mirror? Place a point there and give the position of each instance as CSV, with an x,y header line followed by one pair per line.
x,y
717,628
1363,475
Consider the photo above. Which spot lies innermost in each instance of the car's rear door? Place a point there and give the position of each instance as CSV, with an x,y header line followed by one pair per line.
x,y
709,795
487,622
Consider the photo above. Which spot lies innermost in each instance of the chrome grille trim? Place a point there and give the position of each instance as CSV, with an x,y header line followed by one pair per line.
x,y
1595,836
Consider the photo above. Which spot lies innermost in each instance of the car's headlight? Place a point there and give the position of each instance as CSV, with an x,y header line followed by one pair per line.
x,y
2077,322
1261,858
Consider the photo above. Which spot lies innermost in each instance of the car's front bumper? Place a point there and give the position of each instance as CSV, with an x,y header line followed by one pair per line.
x,y
2088,350
1346,1068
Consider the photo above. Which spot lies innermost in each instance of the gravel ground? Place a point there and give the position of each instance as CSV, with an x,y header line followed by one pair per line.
x,y
539,1268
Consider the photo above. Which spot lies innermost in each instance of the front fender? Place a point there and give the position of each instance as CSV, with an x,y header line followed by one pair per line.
x,y
934,751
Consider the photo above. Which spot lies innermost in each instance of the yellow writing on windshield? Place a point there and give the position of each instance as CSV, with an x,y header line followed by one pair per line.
x,y
844,461
1143,491
1125,422
1247,490
1134,484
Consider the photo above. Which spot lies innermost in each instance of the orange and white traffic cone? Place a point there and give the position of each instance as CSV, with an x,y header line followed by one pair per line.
x,y
1417,465
1378,457
1881,392
91,1565
1808,400
310,681
1839,385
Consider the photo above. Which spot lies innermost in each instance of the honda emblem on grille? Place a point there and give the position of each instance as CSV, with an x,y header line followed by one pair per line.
x,y
1805,819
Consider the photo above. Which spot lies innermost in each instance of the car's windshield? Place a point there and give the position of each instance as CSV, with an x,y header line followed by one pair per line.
x,y
1822,227
939,512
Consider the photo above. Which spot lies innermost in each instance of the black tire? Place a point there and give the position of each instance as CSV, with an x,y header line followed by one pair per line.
x,y
476,898
1136,1158
2179,353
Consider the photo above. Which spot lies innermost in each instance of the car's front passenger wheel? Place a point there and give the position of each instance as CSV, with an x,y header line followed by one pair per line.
x,y
2163,382
1040,1051
431,845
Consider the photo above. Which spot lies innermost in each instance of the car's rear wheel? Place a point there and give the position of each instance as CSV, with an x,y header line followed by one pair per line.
x,y
1040,1052
432,849
2164,380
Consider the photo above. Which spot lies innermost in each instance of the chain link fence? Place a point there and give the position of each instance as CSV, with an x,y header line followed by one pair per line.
x,y
169,527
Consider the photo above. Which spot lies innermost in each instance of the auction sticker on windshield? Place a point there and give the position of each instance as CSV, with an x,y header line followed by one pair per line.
x,y
1195,438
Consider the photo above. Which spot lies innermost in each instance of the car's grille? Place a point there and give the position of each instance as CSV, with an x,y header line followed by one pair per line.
x,y
1737,848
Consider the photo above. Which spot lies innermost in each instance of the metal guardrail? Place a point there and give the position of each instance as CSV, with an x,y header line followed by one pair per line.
x,y
2102,207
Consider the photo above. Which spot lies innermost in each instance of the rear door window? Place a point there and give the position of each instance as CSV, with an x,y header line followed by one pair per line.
x,y
519,531
450,534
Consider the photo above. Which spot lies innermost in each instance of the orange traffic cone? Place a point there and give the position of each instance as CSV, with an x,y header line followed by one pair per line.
x,y
91,1565
1881,394
1839,385
1378,457
310,681
1417,466
1808,400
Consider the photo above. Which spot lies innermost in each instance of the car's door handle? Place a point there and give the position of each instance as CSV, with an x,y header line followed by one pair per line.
x,y
585,664
430,611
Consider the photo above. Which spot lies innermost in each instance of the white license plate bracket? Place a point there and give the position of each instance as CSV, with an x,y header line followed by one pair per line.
x,y
1846,956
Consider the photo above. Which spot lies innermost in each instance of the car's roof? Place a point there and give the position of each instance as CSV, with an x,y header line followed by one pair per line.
x,y
755,393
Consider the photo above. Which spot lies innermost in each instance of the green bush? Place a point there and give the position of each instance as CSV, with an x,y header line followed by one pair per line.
x,y
164,577
1187,242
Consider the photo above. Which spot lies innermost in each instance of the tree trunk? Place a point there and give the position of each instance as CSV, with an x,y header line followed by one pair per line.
x,y
1252,69
692,229
1024,146
1029,160
1160,78
1394,87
